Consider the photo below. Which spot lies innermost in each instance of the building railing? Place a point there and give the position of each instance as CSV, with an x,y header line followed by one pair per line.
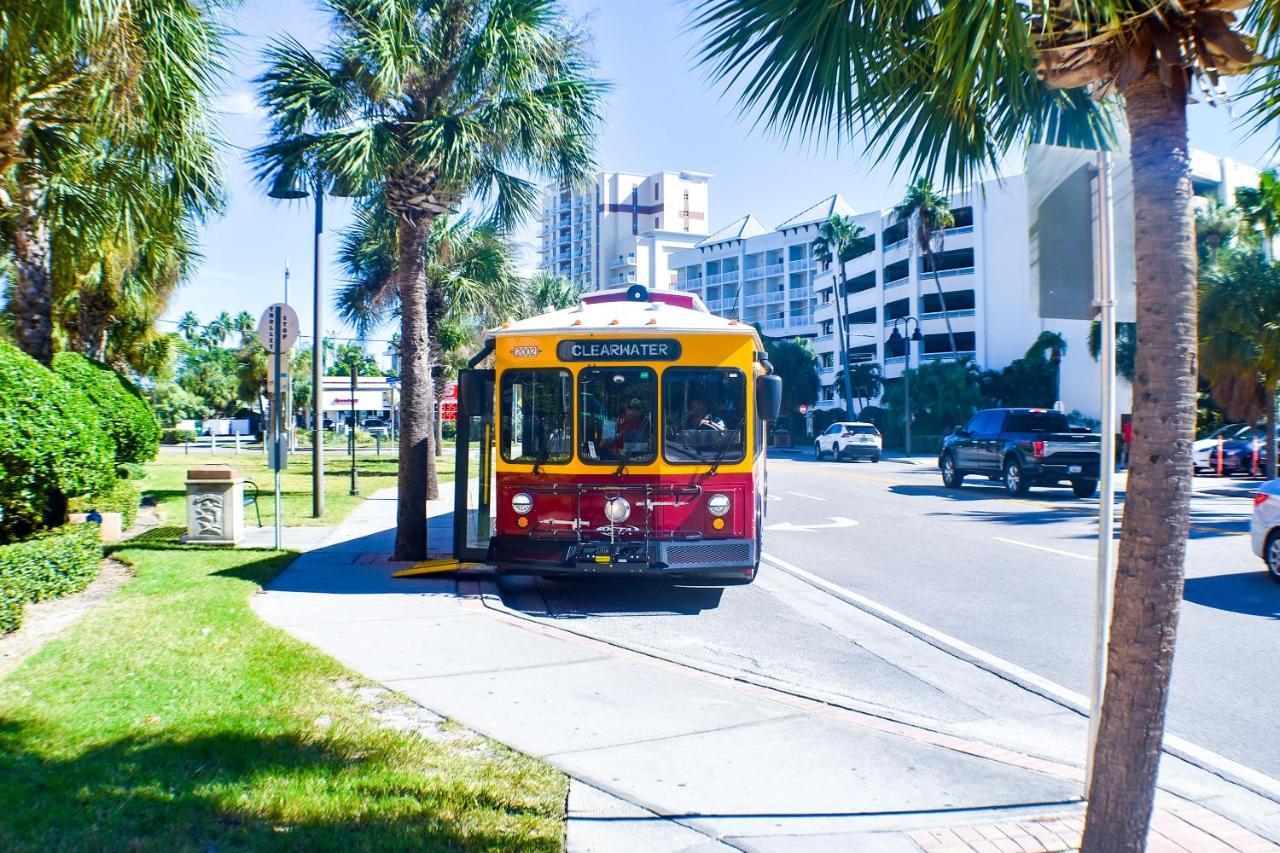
x,y
755,273
627,261
896,359
889,321
723,277
755,299
897,282
938,315
935,356
777,296
896,244
775,269
823,336
775,323
959,229
801,319
801,292
800,265
860,357
948,273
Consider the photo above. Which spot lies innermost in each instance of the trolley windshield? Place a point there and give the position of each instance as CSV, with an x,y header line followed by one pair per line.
x,y
617,409
704,410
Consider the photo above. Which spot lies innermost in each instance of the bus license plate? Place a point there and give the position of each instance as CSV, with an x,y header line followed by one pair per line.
x,y
1074,469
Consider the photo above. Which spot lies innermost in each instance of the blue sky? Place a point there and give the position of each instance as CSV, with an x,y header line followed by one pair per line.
x,y
660,114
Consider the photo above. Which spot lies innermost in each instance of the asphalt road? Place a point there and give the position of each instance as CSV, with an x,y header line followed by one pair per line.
x,y
1015,578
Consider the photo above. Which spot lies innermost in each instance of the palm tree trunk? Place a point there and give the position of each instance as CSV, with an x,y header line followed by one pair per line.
x,y
839,284
415,393
32,301
1148,587
942,300
435,313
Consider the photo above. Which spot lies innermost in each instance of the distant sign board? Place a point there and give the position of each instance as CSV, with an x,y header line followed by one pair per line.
x,y
1062,215
287,318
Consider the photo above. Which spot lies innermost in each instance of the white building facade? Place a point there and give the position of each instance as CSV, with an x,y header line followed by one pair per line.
x,y
622,227
760,276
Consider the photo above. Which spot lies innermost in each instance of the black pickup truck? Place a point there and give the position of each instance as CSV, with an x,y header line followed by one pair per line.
x,y
1022,448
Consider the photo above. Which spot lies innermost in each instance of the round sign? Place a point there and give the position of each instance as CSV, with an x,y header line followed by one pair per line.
x,y
804,410
287,334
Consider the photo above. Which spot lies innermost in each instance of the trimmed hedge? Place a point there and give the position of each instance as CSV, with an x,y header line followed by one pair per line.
x,y
124,497
50,565
177,435
52,446
127,418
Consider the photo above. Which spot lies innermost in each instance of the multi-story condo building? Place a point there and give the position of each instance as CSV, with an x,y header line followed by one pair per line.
x,y
759,276
622,227
984,267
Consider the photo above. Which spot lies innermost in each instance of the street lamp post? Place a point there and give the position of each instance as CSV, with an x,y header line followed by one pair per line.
x,y
896,338
292,185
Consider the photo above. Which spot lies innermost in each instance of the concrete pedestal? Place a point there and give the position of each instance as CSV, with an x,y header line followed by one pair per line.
x,y
215,506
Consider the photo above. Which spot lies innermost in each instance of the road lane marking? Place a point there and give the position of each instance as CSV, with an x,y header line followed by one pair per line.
x,y
803,495
1043,548
1233,771
837,521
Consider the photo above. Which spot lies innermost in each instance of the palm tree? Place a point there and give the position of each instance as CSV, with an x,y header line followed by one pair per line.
x,y
838,242
106,151
1260,209
1126,346
868,379
1240,338
476,286
549,292
189,325
425,103
244,324
1216,226
929,214
947,88
1054,346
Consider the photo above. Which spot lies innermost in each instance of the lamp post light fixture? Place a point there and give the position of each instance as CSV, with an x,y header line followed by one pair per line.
x,y
896,338
293,185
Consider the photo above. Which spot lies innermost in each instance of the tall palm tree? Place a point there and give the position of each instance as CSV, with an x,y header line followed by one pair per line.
x,y
868,379
476,285
549,292
105,142
947,87
1216,227
1126,346
189,325
838,242
929,214
1051,345
1240,338
1260,209
427,103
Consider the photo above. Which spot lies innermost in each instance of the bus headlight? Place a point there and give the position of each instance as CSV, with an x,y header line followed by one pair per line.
x,y
718,504
617,509
522,502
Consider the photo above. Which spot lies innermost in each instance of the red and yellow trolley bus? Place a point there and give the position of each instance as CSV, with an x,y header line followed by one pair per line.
x,y
623,436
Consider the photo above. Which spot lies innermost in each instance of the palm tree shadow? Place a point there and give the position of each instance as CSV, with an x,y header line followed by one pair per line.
x,y
218,791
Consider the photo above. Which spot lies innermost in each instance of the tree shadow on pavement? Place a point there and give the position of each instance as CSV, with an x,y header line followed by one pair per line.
x,y
1249,593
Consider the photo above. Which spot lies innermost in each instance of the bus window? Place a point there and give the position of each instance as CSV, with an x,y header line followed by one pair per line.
x,y
704,415
616,415
536,420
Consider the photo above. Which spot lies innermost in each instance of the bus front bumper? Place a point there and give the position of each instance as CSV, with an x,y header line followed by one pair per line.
x,y
704,558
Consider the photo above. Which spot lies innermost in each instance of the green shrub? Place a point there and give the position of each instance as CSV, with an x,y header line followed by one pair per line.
x,y
126,416
52,446
131,470
449,430
177,435
50,565
123,497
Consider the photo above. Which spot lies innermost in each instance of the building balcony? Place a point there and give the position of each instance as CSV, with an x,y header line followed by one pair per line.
x,y
732,276
947,356
947,273
623,261
824,337
940,315
755,299
804,291
897,245
776,296
775,323
801,265
897,282
775,269
959,229
755,273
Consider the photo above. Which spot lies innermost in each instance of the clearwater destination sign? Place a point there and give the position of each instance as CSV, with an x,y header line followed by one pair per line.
x,y
638,349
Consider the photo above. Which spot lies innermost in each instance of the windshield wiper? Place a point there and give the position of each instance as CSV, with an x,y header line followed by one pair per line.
x,y
724,446
628,456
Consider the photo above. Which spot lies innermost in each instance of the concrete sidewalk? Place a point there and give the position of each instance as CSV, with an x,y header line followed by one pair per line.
x,y
669,756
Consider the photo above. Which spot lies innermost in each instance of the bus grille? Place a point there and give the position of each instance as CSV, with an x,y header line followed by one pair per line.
x,y
704,553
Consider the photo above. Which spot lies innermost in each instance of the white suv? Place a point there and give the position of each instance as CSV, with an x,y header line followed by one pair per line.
x,y
1264,527
849,440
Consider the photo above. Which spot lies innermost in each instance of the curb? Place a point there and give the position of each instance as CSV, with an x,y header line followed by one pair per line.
x,y
1197,756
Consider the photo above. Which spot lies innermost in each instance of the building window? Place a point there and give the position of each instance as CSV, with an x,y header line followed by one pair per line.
x,y
656,188
657,222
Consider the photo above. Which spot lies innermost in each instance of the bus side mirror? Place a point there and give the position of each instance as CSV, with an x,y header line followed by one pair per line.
x,y
474,391
768,397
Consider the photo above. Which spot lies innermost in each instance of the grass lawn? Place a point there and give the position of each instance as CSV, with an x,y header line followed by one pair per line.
x,y
172,718
165,476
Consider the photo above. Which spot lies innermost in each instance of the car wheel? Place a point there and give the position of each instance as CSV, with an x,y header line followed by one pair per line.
x,y
1084,488
835,452
875,457
817,451
1014,481
951,478
1271,554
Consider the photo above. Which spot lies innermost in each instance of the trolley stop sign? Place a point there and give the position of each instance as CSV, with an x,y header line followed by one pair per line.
x,y
288,320
635,349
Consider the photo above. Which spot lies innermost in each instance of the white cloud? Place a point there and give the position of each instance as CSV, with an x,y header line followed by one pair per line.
x,y
239,104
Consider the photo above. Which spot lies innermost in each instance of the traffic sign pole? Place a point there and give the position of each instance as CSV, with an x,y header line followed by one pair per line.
x,y
276,413
278,331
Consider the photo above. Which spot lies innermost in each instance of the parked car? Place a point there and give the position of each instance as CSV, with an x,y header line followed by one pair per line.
x,y
1237,456
1264,526
376,427
849,440
1204,446
1022,448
